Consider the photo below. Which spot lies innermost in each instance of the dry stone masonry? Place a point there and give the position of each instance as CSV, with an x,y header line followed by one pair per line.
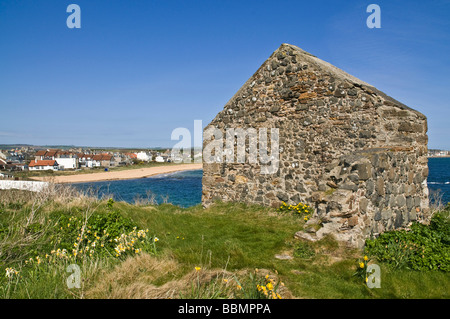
x,y
356,155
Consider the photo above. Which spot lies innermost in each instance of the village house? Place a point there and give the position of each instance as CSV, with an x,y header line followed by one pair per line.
x,y
3,155
65,159
131,155
85,160
103,160
143,156
121,159
12,160
3,164
42,165
159,159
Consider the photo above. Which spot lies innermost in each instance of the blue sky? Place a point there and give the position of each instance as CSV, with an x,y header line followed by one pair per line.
x,y
136,70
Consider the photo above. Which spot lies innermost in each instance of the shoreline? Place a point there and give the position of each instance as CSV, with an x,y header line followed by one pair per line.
x,y
118,175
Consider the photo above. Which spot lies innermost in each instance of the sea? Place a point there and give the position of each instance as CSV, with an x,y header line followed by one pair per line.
x,y
184,188
439,179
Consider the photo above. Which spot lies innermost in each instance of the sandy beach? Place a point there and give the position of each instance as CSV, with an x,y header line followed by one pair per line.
x,y
118,175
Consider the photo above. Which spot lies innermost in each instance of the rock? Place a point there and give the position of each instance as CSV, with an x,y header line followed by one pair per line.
x,y
274,109
301,107
364,171
305,236
363,203
409,202
296,198
401,200
284,257
241,179
339,93
353,221
274,64
386,214
349,186
283,196
310,230
410,127
332,184
300,188
380,186
261,119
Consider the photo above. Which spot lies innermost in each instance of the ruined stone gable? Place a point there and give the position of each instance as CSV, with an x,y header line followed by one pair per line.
x,y
356,155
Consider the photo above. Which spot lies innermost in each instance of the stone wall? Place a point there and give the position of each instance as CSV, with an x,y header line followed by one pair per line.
x,y
356,155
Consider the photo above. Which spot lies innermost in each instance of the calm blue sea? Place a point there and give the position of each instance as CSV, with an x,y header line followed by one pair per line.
x,y
439,178
185,188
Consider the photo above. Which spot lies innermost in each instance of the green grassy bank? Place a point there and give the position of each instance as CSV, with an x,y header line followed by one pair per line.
x,y
225,251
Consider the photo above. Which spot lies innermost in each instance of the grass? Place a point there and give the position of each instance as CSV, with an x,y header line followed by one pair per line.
x,y
200,253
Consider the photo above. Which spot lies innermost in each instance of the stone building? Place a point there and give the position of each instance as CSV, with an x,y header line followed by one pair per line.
x,y
356,155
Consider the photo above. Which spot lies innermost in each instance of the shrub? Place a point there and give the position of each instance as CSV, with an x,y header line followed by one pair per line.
x,y
106,234
423,247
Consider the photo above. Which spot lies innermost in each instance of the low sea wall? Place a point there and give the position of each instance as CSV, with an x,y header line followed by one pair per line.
x,y
24,185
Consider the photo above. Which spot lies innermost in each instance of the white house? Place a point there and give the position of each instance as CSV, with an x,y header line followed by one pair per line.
x,y
38,165
159,159
85,160
67,162
143,157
